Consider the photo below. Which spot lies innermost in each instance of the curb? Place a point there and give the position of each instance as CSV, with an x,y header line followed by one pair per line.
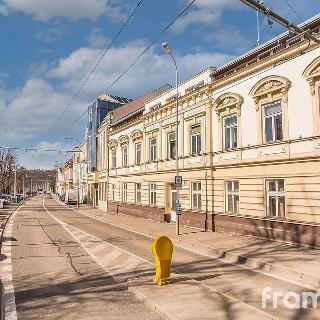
x,y
149,302
302,279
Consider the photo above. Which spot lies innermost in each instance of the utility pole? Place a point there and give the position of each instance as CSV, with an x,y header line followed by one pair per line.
x,y
258,6
15,182
23,190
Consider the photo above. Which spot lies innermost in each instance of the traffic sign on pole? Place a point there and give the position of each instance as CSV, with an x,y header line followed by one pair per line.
x,y
178,182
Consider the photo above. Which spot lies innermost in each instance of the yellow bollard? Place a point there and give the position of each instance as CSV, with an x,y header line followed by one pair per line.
x,y
162,249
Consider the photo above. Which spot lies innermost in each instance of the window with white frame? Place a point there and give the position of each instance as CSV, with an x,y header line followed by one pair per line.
x,y
153,149
105,191
275,198
125,156
113,159
196,195
196,139
232,196
230,132
153,194
124,192
273,121
138,192
171,145
138,152
112,191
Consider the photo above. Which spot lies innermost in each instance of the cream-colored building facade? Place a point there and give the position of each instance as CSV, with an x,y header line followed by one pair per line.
x,y
249,146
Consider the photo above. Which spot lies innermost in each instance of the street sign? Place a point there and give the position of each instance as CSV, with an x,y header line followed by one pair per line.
x,y
178,207
178,182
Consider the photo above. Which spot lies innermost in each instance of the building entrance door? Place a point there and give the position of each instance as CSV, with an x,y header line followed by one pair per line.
x,y
173,199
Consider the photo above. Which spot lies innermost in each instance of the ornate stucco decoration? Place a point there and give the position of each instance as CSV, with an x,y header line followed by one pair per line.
x,y
312,74
228,103
136,135
113,144
123,140
269,87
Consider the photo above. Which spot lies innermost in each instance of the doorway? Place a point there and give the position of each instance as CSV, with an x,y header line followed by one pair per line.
x,y
173,199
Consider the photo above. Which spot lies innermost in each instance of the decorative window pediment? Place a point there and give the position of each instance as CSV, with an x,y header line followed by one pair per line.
x,y
113,144
124,140
269,87
136,135
228,103
312,74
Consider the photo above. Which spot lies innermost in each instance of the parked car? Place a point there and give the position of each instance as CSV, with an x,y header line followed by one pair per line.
x,y
62,197
1,203
6,198
48,196
71,196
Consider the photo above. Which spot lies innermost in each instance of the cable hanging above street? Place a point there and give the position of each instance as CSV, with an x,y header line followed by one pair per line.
x,y
258,6
96,65
180,13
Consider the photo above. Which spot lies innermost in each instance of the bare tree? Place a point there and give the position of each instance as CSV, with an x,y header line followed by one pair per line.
x,y
7,164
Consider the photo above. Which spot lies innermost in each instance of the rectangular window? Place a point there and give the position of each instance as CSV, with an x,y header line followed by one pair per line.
x,y
196,139
125,156
232,196
275,198
124,192
273,122
153,194
230,128
138,192
138,153
112,189
153,149
196,195
113,159
171,145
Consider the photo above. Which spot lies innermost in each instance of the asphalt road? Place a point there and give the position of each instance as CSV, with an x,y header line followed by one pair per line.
x,y
55,277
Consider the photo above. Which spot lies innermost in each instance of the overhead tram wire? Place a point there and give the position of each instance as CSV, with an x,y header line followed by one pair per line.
x,y
138,57
96,65
37,149
279,19
293,10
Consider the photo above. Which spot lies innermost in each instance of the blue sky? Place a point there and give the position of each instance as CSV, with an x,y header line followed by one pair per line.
x,y
48,47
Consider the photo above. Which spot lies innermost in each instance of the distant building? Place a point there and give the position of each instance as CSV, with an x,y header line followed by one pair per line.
x,y
97,111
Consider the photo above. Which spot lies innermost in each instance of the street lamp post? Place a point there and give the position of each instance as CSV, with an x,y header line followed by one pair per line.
x,y
79,167
167,49
15,182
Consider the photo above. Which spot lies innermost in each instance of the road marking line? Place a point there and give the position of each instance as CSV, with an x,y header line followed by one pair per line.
x,y
122,253
8,301
99,247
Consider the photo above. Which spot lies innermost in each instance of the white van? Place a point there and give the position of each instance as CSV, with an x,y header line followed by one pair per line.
x,y
71,196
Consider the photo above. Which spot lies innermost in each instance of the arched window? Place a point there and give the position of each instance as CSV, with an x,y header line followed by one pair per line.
x,y
312,75
113,153
137,136
228,109
270,95
124,141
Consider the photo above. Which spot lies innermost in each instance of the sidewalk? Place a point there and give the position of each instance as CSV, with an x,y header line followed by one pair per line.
x,y
299,265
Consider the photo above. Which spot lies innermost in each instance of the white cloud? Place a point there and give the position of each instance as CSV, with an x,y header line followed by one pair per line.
x,y
152,70
42,159
45,10
29,112
96,39
204,12
3,9
221,36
